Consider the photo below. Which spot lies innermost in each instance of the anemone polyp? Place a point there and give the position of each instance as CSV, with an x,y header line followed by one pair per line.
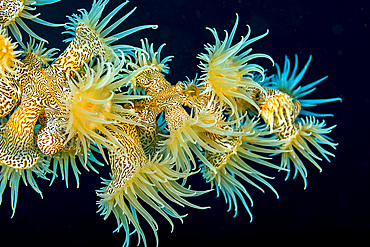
x,y
36,55
93,109
310,135
227,68
89,104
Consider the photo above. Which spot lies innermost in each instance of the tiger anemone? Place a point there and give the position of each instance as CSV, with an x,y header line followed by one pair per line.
x,y
284,100
145,59
227,71
8,54
27,175
289,81
309,132
36,55
236,166
138,181
154,184
94,21
13,11
93,107
193,136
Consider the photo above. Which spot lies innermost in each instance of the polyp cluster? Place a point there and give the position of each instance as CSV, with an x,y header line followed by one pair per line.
x,y
103,98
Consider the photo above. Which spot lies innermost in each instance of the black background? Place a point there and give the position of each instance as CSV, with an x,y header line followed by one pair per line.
x,y
334,207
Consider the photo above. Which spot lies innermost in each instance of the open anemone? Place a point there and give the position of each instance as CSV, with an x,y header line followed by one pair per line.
x,y
235,166
145,58
36,55
93,106
93,20
154,184
193,136
13,11
14,175
288,81
226,68
138,182
309,133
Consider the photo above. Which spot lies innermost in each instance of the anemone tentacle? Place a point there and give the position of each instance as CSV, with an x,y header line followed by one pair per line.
x,y
12,12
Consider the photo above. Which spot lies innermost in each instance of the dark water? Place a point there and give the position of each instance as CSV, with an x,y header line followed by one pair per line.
x,y
335,204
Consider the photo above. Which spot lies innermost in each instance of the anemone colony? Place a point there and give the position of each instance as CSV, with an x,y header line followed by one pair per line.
x,y
101,97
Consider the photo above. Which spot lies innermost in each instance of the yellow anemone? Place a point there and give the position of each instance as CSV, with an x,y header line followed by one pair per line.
x,y
93,106
94,21
227,71
236,165
14,175
155,184
308,131
193,136
36,55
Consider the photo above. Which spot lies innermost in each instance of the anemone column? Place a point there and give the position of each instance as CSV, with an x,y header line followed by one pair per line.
x,y
8,97
83,47
18,146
